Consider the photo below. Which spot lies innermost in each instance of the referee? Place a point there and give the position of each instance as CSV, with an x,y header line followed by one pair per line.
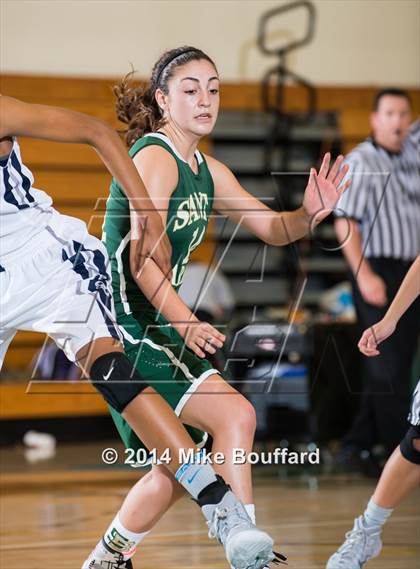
x,y
378,224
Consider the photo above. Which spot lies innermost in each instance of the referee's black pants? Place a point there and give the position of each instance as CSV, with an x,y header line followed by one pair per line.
x,y
382,416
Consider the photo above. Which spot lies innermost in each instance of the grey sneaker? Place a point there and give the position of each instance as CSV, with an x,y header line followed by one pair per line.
x,y
361,545
265,567
246,546
102,557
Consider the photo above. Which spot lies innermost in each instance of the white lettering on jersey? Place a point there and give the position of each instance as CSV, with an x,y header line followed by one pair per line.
x,y
190,210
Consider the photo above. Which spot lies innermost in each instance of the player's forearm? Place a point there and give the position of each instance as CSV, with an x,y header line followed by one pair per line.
x,y
114,155
64,125
289,226
348,234
159,291
407,293
48,123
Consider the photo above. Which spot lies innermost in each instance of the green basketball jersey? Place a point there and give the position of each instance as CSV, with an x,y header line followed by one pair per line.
x,y
188,213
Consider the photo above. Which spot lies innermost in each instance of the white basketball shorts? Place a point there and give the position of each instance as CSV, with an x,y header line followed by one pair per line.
x,y
59,284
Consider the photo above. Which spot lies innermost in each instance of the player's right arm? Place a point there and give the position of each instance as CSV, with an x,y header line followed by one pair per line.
x,y
64,125
406,295
159,171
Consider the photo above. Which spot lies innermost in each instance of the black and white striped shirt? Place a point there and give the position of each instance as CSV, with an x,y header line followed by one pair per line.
x,y
385,197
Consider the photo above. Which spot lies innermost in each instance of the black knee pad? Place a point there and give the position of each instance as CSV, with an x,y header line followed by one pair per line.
x,y
118,381
406,446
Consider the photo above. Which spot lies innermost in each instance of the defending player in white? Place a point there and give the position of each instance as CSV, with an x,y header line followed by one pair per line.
x,y
402,471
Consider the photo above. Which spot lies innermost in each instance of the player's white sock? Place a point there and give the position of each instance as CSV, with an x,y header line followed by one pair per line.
x,y
119,538
375,516
195,476
250,510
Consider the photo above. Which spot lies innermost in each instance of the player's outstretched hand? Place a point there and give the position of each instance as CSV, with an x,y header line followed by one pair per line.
x,y
153,242
373,336
325,188
202,337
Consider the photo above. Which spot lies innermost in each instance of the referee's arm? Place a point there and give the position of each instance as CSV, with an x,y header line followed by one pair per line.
x,y
371,285
349,213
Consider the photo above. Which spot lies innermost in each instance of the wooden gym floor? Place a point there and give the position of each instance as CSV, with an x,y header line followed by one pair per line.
x,y
52,513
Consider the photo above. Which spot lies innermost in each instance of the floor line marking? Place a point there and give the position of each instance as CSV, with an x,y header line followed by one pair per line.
x,y
164,535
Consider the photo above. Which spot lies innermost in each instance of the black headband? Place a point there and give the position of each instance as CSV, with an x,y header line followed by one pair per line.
x,y
188,50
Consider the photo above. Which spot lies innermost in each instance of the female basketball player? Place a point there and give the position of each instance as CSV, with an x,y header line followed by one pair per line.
x,y
161,335
402,470
54,279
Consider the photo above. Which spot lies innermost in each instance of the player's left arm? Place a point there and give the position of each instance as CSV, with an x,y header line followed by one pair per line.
x,y
63,125
279,228
406,295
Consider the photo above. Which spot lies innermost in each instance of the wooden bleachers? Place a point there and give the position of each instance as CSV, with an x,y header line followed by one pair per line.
x,y
354,126
35,401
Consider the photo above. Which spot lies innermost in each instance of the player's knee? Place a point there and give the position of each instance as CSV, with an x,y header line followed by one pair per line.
x,y
243,417
410,445
416,444
160,482
89,353
118,381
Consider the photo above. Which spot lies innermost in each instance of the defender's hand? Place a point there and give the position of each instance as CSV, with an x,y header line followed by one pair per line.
x,y
373,336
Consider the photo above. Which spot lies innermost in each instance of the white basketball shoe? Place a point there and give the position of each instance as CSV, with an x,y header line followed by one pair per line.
x,y
361,544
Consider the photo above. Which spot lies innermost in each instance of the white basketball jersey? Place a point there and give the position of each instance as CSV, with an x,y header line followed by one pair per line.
x,y
24,210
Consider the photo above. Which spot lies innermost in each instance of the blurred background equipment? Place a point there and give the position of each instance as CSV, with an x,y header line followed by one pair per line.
x,y
39,446
273,100
207,292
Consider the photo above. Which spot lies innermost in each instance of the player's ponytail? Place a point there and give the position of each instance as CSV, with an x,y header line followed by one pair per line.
x,y
137,106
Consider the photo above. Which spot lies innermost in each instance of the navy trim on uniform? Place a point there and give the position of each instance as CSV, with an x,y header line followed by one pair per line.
x,y
9,196
26,182
98,284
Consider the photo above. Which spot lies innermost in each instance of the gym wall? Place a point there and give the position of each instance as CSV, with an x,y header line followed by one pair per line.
x,y
357,42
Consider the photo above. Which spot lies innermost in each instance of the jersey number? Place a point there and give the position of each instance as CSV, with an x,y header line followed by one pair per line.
x,y
179,269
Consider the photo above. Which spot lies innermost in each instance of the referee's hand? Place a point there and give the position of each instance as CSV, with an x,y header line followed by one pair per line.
x,y
372,288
